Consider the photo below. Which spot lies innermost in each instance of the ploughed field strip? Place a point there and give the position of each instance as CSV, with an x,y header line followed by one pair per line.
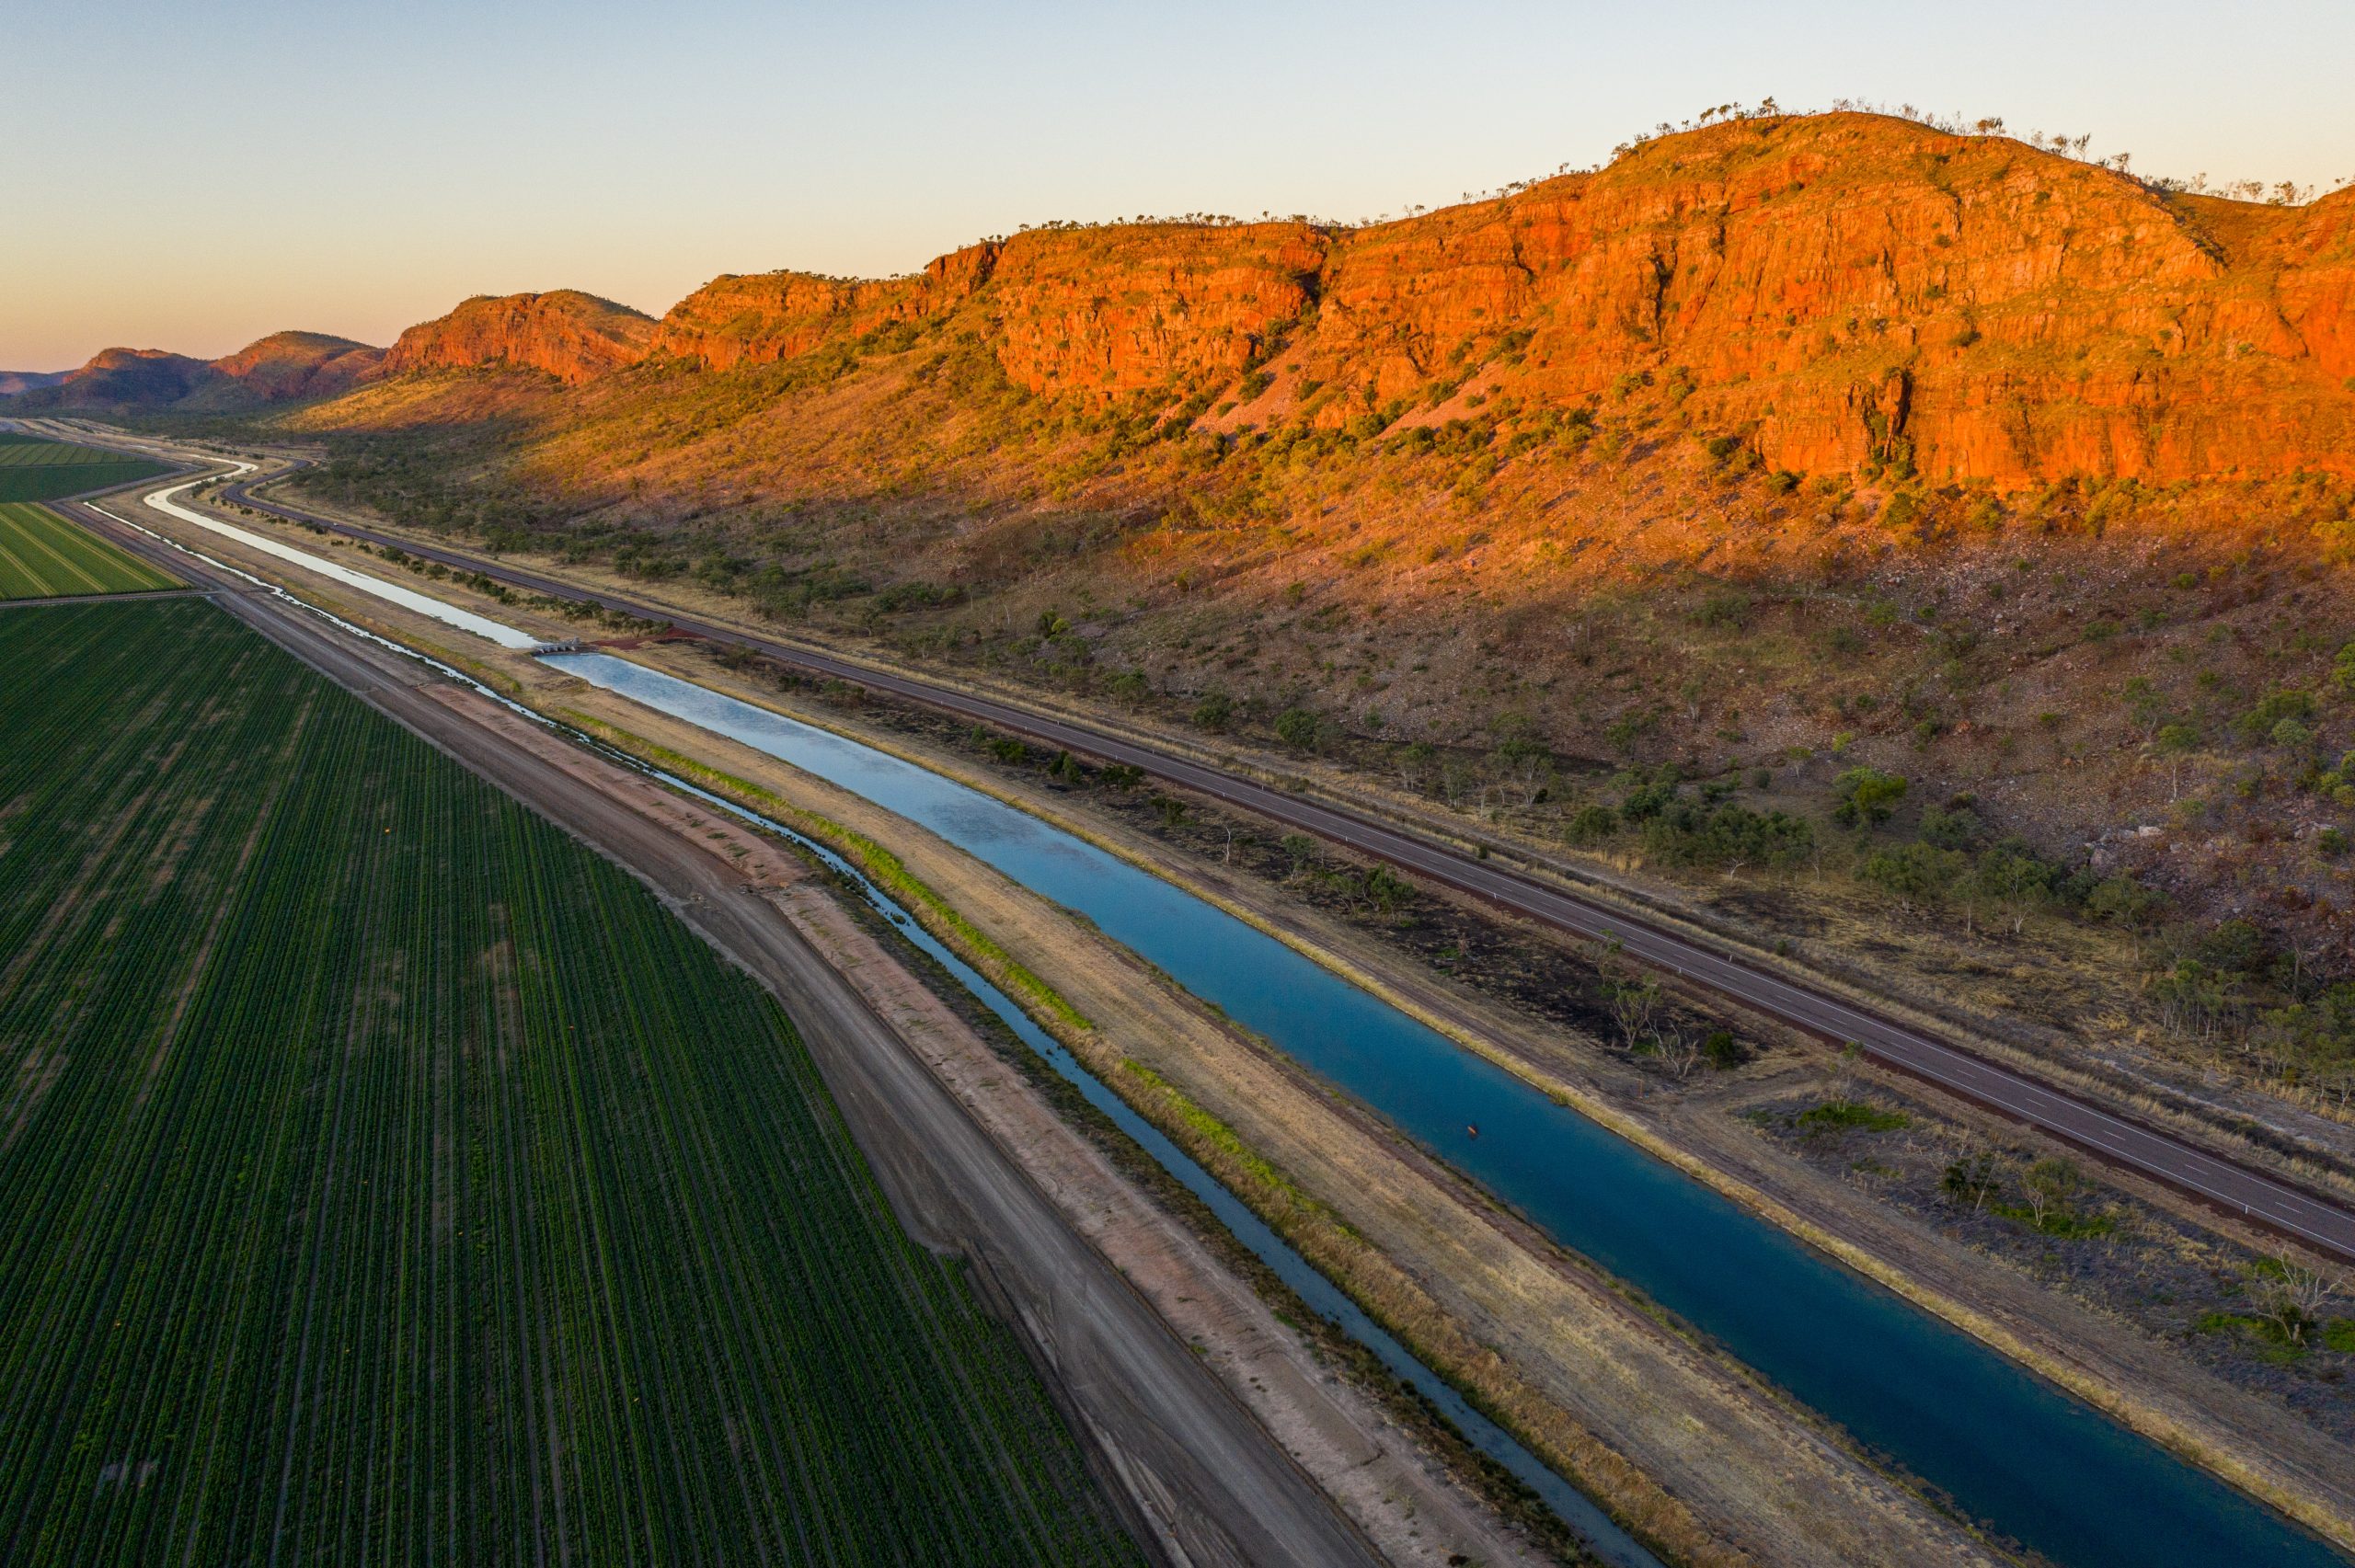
x,y
33,470
383,1175
42,556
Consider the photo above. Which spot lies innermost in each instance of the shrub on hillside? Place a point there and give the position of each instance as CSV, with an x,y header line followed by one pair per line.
x,y
1864,796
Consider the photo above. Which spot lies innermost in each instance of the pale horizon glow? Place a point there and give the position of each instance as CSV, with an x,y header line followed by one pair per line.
x,y
193,177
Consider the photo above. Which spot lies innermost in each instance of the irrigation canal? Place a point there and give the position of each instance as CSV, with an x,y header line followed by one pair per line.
x,y
2031,1461
2035,1463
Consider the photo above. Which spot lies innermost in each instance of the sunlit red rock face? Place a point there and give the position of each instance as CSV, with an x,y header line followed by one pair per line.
x,y
287,367
1149,306
1105,312
733,321
1840,289
1850,287
572,335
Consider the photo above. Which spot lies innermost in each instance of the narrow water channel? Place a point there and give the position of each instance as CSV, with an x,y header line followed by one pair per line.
x,y
1604,1538
2034,1463
392,592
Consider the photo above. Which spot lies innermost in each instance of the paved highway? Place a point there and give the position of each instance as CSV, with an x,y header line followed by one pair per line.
x,y
2321,1222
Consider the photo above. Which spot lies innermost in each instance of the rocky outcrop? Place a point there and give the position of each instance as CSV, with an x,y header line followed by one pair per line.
x,y
569,335
289,367
1149,307
733,321
1840,290
1850,289
1837,290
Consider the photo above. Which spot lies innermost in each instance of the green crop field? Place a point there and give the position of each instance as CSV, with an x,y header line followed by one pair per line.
x,y
33,470
384,1176
42,556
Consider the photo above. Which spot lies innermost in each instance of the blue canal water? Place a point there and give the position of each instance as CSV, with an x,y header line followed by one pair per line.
x,y
2031,1461
1601,1535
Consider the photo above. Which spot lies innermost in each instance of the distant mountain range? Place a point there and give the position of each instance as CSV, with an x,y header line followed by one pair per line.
x,y
1839,289
282,367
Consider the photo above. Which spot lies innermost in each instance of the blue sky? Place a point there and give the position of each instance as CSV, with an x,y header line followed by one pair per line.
x,y
190,175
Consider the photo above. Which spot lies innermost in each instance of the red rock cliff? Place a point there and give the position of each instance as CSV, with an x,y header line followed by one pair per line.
x,y
289,366
734,321
1841,289
1849,287
572,335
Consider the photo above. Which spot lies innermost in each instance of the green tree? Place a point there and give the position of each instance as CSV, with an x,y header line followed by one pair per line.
x,y
1916,874
1386,890
1972,1179
2052,1187
1415,764
1865,796
1592,825
1523,759
2143,703
1299,729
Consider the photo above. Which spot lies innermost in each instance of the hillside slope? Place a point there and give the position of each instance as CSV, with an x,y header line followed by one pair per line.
x,y
284,367
287,367
1769,451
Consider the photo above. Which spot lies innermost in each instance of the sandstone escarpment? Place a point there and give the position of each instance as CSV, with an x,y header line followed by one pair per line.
x,y
1845,289
761,319
1837,290
572,335
288,367
1148,308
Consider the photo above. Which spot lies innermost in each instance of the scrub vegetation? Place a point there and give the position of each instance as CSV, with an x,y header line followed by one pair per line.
x,y
384,1176
2122,714
2276,1326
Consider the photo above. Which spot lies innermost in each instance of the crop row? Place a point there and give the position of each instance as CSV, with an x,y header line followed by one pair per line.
x,y
43,556
383,1175
18,453
47,482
